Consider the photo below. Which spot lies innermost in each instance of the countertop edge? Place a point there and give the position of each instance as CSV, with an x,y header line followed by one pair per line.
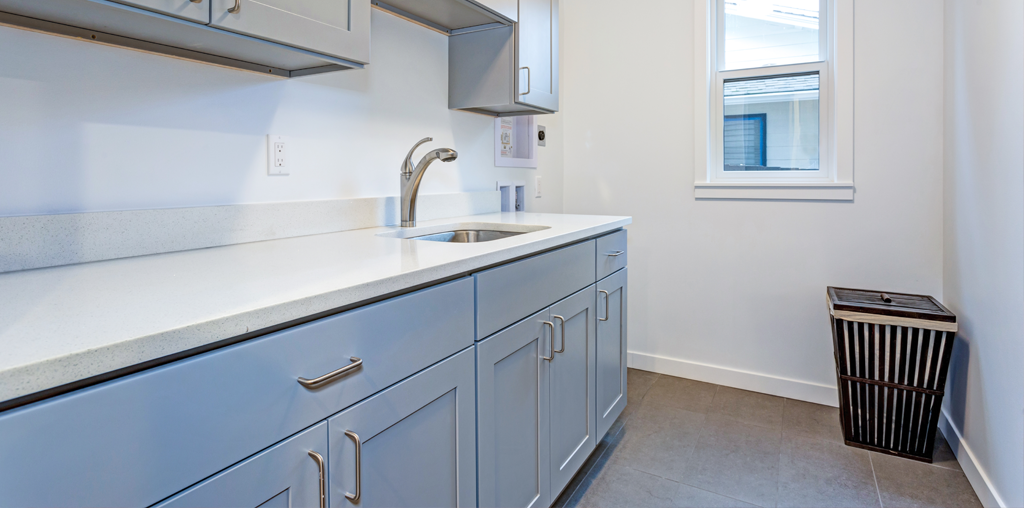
x,y
23,385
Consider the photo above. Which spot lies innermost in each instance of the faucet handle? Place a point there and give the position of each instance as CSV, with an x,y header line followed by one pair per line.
x,y
407,165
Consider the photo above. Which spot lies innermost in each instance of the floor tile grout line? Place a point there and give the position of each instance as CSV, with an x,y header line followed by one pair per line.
x,y
712,492
778,468
693,486
875,476
603,452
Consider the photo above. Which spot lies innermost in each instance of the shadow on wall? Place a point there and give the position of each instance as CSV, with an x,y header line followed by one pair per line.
x,y
955,402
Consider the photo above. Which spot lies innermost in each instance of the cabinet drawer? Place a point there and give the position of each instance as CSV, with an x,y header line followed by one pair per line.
x,y
141,438
511,292
611,253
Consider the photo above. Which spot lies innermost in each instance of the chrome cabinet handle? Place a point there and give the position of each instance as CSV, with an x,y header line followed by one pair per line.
x,y
326,378
551,343
319,459
606,298
359,467
562,320
615,254
529,87
237,8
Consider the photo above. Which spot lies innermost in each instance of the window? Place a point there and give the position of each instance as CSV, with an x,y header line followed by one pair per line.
x,y
771,96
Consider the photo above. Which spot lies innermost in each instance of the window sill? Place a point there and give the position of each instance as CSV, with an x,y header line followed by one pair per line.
x,y
789,191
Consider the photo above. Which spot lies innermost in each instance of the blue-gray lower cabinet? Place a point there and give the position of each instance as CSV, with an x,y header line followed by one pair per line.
x,y
513,415
412,445
611,349
284,476
572,387
136,440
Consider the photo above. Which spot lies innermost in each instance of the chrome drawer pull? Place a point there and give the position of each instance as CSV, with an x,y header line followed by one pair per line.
x,y
319,459
359,467
551,343
237,8
562,320
326,378
615,253
606,298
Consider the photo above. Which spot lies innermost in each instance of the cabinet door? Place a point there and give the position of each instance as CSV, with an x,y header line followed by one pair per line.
x,y
339,28
611,349
537,54
512,402
416,442
288,474
185,9
572,387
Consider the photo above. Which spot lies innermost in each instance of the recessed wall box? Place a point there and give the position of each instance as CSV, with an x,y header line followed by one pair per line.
x,y
513,142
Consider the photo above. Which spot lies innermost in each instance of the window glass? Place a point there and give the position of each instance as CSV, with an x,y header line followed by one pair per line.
x,y
760,33
771,124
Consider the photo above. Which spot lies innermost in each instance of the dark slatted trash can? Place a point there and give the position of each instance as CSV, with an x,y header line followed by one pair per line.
x,y
892,355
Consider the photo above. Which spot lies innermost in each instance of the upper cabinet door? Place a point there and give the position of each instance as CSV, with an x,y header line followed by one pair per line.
x,y
198,11
288,474
339,28
572,386
411,445
611,348
537,54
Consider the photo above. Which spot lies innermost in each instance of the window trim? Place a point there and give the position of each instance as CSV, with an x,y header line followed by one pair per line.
x,y
835,180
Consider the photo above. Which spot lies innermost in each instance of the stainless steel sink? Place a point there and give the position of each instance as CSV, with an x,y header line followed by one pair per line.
x,y
467,236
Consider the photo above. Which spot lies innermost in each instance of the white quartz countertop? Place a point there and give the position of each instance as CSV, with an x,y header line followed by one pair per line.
x,y
64,324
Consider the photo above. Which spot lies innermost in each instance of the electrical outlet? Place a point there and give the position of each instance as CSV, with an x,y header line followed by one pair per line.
x,y
277,155
536,185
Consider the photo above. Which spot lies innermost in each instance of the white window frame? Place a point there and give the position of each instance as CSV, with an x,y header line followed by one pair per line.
x,y
834,178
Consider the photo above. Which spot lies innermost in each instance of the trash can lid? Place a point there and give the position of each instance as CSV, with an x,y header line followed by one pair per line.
x,y
884,303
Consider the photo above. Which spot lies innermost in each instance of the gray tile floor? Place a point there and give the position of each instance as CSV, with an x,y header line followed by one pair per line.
x,y
683,443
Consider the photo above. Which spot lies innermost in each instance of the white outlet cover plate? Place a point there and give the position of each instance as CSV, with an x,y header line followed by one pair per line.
x,y
277,167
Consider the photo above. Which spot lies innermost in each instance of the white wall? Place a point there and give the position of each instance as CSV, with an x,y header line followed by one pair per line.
x,y
86,127
983,275
734,291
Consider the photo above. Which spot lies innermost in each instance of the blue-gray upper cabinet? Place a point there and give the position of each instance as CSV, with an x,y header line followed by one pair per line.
x,y
510,70
289,474
571,376
139,439
507,8
412,445
338,28
198,11
508,293
283,38
611,348
513,419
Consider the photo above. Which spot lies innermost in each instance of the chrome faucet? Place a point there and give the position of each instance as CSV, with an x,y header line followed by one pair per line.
x,y
412,175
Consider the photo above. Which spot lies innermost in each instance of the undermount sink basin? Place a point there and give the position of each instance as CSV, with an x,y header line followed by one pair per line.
x,y
467,236
464,232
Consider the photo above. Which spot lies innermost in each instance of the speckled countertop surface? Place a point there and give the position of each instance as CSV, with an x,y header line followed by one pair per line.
x,y
63,324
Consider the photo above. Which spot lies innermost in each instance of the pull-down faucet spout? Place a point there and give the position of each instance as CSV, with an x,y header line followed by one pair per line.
x,y
412,175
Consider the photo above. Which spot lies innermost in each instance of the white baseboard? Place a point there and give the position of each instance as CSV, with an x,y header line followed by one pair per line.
x,y
987,493
755,382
